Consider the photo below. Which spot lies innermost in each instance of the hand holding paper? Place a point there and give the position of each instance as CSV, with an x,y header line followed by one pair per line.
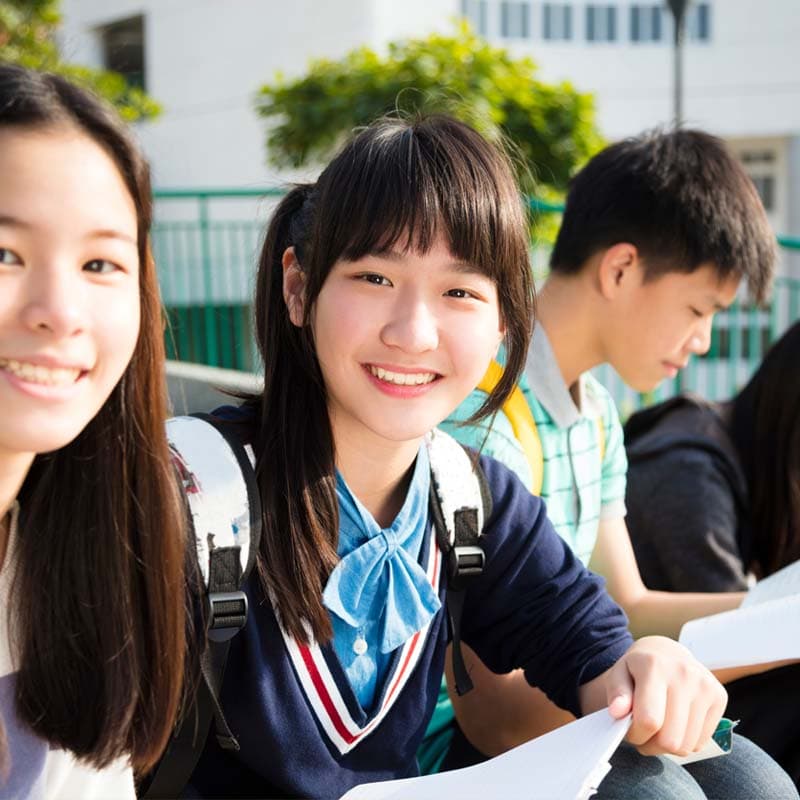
x,y
675,701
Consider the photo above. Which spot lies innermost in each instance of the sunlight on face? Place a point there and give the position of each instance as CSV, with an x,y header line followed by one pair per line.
x,y
667,321
69,284
402,339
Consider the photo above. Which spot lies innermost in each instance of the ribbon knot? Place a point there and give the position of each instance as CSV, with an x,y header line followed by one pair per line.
x,y
379,583
390,540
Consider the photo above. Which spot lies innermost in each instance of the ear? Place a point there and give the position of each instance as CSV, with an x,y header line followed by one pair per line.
x,y
617,269
294,286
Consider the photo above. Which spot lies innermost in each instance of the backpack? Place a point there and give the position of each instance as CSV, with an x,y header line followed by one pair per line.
x,y
519,416
217,473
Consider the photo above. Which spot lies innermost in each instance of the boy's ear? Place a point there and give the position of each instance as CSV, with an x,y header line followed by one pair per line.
x,y
617,268
294,286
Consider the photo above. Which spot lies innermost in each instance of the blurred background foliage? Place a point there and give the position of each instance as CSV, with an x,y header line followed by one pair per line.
x,y
549,129
28,36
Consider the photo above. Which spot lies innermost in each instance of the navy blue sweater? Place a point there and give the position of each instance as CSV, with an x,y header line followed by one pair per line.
x,y
301,730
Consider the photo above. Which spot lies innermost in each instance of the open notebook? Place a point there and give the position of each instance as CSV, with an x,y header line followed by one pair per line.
x,y
537,770
765,628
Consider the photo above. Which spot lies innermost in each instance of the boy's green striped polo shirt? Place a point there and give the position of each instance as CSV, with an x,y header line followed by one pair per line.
x,y
580,486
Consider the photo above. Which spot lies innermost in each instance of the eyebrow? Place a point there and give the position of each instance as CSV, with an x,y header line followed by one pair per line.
x,y
100,233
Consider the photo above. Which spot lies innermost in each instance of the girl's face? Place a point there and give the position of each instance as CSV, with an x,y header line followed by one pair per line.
x,y
402,339
69,284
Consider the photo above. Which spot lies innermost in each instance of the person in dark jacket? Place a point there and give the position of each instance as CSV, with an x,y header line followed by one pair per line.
x,y
713,502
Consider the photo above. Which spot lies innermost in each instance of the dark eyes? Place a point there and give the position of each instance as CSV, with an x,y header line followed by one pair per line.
x,y
375,279
100,266
379,280
9,257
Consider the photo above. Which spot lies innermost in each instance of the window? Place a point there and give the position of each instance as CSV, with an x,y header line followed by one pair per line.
x,y
601,23
477,13
698,22
514,20
646,23
123,49
761,167
557,21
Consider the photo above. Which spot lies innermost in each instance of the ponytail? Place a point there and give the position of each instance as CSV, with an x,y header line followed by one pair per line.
x,y
295,467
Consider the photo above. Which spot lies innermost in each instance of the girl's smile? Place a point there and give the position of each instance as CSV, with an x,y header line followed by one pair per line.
x,y
400,381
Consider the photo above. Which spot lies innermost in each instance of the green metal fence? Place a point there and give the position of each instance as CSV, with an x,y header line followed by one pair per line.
x,y
206,244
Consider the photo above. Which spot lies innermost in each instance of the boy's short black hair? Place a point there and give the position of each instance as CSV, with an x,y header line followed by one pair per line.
x,y
681,198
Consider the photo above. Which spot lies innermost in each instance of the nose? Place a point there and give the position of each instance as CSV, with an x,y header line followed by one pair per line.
x,y
55,302
700,341
412,326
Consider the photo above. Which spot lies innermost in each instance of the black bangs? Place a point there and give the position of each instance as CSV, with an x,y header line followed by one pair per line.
x,y
399,185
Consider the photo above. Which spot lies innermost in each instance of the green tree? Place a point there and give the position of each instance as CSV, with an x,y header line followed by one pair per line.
x,y
551,127
28,37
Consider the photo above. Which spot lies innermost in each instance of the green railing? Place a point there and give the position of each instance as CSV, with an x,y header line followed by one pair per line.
x,y
206,245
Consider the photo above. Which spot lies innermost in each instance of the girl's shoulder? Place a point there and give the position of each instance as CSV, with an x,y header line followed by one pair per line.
x,y
513,505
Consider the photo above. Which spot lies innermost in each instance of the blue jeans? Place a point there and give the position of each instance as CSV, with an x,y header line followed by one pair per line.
x,y
746,773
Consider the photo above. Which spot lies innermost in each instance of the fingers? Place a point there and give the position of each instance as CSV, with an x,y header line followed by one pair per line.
x,y
619,690
677,703
649,700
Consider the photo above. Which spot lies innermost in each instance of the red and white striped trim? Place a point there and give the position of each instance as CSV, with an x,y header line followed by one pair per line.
x,y
323,694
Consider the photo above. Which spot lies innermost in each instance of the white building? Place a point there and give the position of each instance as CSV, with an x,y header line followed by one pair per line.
x,y
204,60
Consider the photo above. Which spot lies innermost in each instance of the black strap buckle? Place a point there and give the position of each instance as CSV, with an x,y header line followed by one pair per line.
x,y
226,615
464,561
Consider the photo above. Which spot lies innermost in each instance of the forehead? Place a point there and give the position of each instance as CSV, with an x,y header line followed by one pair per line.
x,y
59,177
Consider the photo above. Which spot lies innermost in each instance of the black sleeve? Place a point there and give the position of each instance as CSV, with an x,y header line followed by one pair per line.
x,y
683,522
536,606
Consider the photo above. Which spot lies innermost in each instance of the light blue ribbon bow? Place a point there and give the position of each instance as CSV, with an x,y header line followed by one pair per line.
x,y
379,579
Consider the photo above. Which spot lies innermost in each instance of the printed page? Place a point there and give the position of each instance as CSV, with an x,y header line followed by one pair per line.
x,y
766,631
566,764
783,583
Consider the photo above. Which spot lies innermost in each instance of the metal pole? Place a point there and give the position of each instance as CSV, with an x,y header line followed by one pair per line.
x,y
678,9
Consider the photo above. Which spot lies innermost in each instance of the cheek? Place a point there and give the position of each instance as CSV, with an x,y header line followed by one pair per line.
x,y
120,328
474,344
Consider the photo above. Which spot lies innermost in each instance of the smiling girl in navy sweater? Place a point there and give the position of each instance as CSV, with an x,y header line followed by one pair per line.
x,y
384,290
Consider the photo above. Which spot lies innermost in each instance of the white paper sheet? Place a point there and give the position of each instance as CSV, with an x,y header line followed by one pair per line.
x,y
768,630
567,764
783,583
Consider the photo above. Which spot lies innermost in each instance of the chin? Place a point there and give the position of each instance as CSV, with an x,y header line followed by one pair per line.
x,y
642,384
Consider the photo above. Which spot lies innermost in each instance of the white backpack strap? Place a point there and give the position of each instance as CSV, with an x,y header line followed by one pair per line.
x,y
461,508
455,478
214,487
218,478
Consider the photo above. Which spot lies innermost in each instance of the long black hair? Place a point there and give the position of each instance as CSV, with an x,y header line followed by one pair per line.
x,y
765,427
395,184
99,580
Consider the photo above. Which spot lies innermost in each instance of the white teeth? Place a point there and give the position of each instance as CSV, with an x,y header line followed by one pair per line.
x,y
34,373
403,378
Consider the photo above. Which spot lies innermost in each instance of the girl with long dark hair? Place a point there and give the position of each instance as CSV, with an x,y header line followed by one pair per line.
x,y
92,624
384,290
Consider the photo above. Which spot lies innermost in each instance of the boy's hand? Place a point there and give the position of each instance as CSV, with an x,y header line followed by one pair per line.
x,y
676,702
